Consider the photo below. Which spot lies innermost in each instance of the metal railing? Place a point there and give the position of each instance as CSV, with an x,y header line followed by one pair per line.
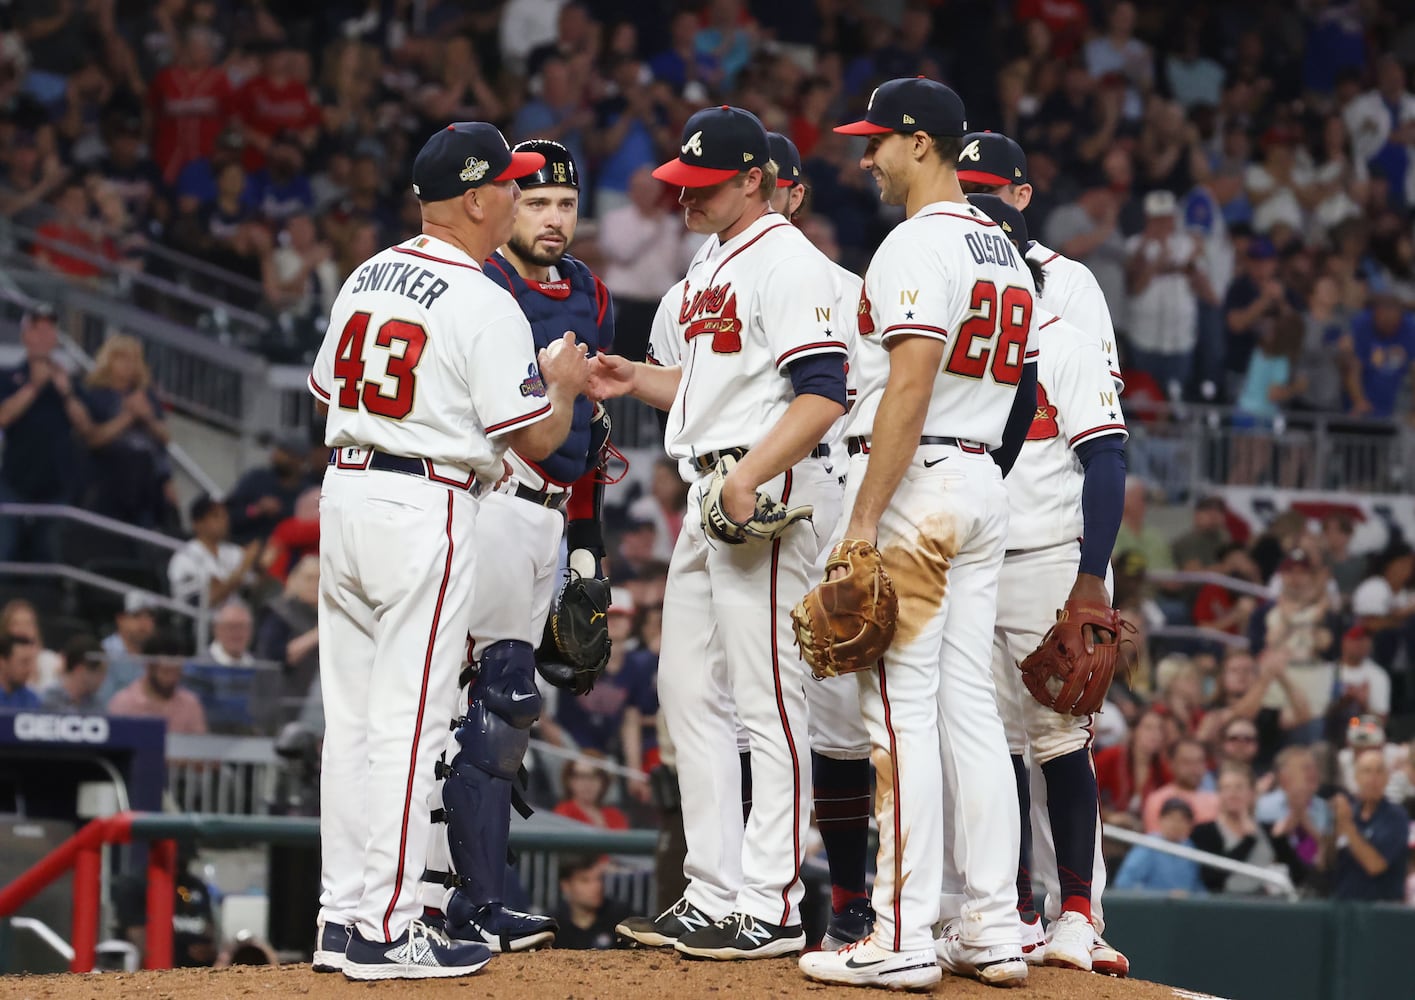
x,y
1279,880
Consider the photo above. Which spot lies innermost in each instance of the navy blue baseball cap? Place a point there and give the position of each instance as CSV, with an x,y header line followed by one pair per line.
x,y
1009,219
717,143
991,158
465,155
911,104
788,160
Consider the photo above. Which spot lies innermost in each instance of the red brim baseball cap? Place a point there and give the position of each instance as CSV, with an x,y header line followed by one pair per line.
x,y
983,177
912,104
687,175
521,165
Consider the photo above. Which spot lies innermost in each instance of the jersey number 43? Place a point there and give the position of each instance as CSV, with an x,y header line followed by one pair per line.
x,y
1006,317
403,343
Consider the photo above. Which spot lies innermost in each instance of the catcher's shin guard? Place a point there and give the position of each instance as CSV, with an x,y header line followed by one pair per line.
x,y
476,792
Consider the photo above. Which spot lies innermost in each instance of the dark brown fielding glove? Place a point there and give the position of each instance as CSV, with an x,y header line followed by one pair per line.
x,y
1060,674
846,625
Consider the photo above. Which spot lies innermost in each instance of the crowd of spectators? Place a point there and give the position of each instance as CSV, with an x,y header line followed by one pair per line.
x,y
1240,179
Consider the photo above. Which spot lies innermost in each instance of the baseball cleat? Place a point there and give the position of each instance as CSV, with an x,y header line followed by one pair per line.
x,y
739,935
1034,942
865,963
997,965
498,927
665,929
851,924
420,952
1072,938
1107,960
331,941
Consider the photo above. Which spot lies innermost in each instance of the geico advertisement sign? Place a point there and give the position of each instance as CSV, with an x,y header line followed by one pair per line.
x,y
61,728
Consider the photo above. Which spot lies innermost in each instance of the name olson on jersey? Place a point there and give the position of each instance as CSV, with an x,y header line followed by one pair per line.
x,y
990,248
401,279
712,310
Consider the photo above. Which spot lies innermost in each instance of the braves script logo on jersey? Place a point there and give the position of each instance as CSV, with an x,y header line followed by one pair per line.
x,y
712,310
1044,423
864,322
532,384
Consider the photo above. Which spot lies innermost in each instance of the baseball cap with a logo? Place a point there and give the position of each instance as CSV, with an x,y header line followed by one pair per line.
x,y
788,160
466,155
991,158
911,104
717,143
1008,219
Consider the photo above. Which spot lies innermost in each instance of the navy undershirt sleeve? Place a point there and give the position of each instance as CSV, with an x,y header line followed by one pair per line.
x,y
1102,500
1019,420
819,375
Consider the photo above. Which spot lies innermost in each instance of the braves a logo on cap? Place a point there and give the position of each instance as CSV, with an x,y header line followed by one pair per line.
x,y
474,170
971,152
871,103
1044,421
712,310
694,144
533,384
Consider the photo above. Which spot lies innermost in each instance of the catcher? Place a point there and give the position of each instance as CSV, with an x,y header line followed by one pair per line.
x,y
1052,668
516,607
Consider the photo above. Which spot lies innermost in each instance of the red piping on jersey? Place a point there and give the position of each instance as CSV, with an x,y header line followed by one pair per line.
x,y
988,223
506,424
834,345
786,727
1050,259
1048,322
549,479
418,726
601,295
467,484
915,326
1031,357
440,260
1103,428
898,820
723,263
326,397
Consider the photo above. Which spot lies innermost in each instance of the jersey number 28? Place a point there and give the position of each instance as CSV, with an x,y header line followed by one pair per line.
x,y
1007,317
403,342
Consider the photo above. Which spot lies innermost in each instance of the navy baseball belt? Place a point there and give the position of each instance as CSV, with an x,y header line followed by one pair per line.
x,y
554,501
705,462
420,467
861,446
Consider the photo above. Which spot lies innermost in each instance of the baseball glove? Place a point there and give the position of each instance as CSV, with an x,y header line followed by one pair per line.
x,y
770,519
846,625
576,644
1061,674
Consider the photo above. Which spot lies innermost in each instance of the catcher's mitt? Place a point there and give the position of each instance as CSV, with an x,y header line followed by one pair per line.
x,y
1061,674
770,519
846,625
576,646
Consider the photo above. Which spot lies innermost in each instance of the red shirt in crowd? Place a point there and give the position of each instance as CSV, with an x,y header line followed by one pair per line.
x,y
292,540
270,108
1213,602
80,239
1116,779
1067,20
613,818
189,110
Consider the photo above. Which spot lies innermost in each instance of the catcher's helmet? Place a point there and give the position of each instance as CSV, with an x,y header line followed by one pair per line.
x,y
559,165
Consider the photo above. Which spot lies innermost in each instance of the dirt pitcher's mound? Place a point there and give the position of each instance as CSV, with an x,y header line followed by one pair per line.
x,y
552,975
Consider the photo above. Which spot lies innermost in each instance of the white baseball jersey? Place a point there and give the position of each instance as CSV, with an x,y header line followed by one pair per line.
x,y
1071,291
1077,401
851,288
948,272
425,357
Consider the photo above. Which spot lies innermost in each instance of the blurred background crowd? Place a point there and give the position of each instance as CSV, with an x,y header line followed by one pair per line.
x,y
1239,177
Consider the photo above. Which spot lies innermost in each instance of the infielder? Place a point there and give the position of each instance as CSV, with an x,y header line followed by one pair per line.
x,y
518,535
840,744
749,362
428,374
943,379
1066,494
992,163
